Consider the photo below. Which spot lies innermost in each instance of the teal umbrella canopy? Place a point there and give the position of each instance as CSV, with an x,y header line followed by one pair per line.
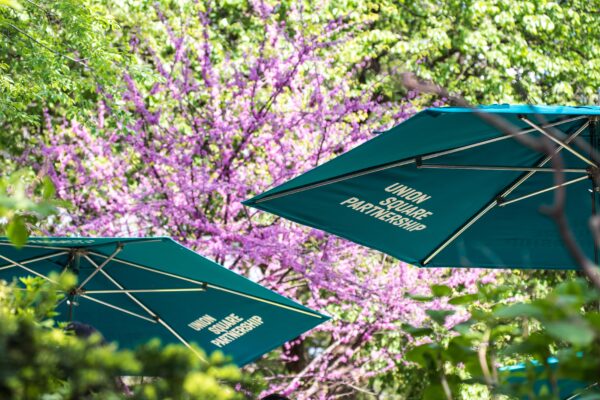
x,y
134,289
533,378
446,189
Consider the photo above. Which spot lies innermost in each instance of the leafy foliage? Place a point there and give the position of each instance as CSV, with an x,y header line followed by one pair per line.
x,y
535,51
216,128
25,199
552,337
174,111
55,55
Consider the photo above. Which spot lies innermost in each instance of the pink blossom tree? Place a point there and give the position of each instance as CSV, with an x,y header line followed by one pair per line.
x,y
178,153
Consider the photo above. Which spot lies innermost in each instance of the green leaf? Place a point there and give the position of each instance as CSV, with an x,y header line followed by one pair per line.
x,y
416,332
519,310
435,391
48,189
579,333
419,297
441,290
423,354
462,300
464,328
17,231
459,350
439,316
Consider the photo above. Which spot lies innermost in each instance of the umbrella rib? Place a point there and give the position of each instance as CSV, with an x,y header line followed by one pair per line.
x,y
145,291
104,303
121,287
548,189
32,260
499,168
31,271
211,286
559,142
127,242
104,263
412,160
119,260
222,289
147,309
182,340
506,192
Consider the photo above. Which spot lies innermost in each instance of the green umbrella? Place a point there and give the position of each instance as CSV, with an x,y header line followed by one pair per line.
x,y
446,189
134,289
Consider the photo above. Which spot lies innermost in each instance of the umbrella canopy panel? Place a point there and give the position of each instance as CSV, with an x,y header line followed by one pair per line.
x,y
446,189
568,388
134,289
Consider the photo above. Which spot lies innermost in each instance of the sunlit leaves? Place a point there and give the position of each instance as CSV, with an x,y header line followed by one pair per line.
x,y
25,199
490,51
549,336
59,55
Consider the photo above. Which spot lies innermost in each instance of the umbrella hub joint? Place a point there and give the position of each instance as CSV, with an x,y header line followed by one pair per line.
x,y
75,292
78,251
594,175
74,260
73,299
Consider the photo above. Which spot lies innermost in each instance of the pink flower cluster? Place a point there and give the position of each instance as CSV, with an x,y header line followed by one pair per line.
x,y
213,130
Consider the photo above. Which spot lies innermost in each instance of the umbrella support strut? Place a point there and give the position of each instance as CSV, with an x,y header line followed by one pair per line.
x,y
559,142
498,168
208,285
595,187
70,303
31,260
507,202
500,199
123,310
200,289
152,314
22,266
104,263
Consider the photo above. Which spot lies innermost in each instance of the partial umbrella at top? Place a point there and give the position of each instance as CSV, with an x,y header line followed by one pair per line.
x,y
446,189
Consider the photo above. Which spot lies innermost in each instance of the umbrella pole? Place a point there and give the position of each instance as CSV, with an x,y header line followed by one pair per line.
x,y
593,143
73,265
70,303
